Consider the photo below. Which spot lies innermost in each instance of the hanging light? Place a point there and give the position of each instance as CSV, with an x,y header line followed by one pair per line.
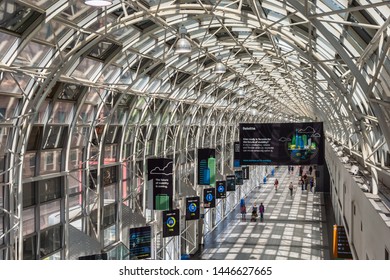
x,y
182,45
254,111
98,3
220,68
240,92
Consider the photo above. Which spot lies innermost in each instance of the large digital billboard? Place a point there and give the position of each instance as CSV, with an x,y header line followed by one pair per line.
x,y
160,173
282,143
206,167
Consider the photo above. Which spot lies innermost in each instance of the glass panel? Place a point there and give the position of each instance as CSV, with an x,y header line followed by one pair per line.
x,y
50,162
86,114
32,55
6,42
87,68
109,175
75,157
50,189
109,212
28,194
75,206
28,221
1,229
110,152
119,252
35,138
74,181
1,197
50,241
7,107
80,136
61,112
50,214
29,165
54,257
109,235
113,134
29,245
42,112
109,194
54,137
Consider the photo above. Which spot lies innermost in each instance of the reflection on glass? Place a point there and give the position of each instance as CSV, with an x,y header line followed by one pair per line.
x,y
50,214
50,241
109,235
28,221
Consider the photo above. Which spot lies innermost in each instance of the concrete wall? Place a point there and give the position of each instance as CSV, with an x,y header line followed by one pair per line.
x,y
365,217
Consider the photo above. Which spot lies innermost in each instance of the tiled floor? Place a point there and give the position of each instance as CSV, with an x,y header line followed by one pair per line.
x,y
293,227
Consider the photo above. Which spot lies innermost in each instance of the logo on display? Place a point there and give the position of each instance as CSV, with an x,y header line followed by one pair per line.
x,y
221,188
171,222
209,197
192,207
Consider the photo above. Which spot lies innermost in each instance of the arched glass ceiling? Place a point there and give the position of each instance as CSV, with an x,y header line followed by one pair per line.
x,y
320,60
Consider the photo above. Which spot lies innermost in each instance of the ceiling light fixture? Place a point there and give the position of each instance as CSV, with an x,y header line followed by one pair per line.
x,y
240,92
220,68
98,3
183,45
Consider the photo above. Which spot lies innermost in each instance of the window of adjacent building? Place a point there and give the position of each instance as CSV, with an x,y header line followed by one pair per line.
x,y
49,189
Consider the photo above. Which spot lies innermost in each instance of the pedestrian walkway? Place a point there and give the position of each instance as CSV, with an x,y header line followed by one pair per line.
x,y
293,227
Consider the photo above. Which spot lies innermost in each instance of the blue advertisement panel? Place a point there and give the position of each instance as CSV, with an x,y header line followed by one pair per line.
x,y
140,243
282,143
171,223
220,189
192,208
209,198
206,167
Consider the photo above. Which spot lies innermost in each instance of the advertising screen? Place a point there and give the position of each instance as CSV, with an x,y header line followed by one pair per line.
x,y
171,223
209,198
230,183
245,172
220,189
282,143
160,172
236,155
140,243
206,167
192,208
239,177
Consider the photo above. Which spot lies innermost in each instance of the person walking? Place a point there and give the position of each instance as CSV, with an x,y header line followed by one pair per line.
x,y
254,213
276,184
291,187
310,169
243,212
311,184
301,182
261,210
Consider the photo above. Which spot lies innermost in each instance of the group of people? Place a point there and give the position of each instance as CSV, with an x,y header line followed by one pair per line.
x,y
304,181
254,214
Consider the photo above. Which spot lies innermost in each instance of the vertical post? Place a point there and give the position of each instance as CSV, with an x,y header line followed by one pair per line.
x,y
335,241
